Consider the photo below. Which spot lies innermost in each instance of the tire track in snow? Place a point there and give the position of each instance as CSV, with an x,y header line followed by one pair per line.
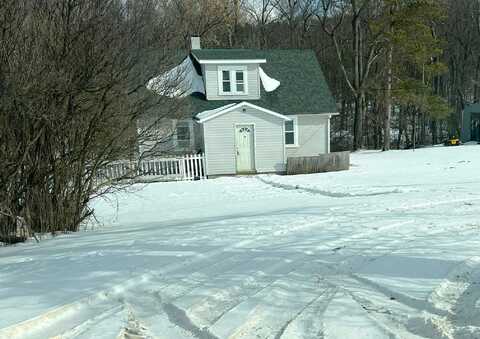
x,y
56,321
324,193
56,315
87,329
330,194
304,260
459,279
147,309
243,292
437,318
234,294
303,319
178,293
267,311
180,318
338,271
243,243
219,304
362,234
300,262
381,318
460,295
64,317
417,304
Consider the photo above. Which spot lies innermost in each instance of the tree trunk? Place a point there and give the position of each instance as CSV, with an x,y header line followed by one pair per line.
x,y
388,102
423,130
414,130
360,93
476,86
358,122
399,137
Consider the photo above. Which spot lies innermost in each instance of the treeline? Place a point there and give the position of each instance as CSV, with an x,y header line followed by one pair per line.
x,y
401,70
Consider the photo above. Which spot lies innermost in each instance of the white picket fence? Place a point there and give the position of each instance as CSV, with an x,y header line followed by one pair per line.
x,y
187,167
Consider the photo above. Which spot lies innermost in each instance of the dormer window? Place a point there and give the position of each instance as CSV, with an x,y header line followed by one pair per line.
x,y
232,80
226,85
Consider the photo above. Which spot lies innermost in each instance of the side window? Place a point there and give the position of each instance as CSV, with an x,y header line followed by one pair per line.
x,y
232,80
291,133
183,134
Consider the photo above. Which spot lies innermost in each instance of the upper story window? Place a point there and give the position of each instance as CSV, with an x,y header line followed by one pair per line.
x,y
232,80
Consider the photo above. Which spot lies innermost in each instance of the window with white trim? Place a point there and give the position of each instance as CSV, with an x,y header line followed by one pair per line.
x,y
226,84
232,80
291,132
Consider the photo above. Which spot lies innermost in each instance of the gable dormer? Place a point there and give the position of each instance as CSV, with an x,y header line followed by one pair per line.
x,y
231,81
230,74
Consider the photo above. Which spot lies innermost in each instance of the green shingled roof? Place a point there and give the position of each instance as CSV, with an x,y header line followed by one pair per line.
x,y
303,88
229,54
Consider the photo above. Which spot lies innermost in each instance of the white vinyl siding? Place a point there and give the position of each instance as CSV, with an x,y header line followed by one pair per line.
x,y
312,136
212,79
219,137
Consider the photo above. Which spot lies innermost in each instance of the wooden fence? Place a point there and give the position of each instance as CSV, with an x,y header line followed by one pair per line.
x,y
337,161
187,167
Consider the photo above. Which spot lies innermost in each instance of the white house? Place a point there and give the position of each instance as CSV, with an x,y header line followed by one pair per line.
x,y
252,109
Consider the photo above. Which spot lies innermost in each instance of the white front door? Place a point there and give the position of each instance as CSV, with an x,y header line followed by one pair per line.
x,y
245,148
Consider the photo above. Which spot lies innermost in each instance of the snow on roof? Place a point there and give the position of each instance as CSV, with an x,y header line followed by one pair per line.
x,y
180,81
269,84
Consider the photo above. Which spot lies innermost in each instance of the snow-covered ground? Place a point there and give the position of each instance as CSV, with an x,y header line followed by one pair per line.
x,y
389,249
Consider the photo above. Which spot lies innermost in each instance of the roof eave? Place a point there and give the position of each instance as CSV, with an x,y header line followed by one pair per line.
x,y
227,61
231,61
317,114
240,104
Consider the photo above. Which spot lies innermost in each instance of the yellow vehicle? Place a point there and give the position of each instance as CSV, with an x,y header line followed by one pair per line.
x,y
453,141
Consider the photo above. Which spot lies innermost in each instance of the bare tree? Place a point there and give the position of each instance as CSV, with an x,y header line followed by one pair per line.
x,y
365,48
72,82
261,13
202,18
289,10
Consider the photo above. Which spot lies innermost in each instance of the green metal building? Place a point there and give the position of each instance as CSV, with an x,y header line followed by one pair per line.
x,y
471,123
